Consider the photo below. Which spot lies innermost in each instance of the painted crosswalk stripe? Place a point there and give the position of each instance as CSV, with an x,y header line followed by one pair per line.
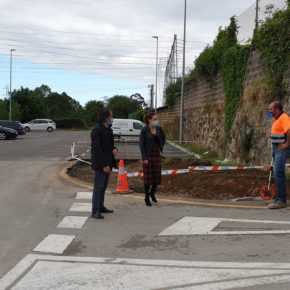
x,y
206,226
73,222
61,272
81,207
84,195
54,244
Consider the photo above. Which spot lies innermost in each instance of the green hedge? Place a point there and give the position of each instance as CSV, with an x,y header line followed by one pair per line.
x,y
70,123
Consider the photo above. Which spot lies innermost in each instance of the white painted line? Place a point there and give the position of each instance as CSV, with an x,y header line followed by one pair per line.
x,y
84,195
61,272
191,226
88,150
73,222
206,226
54,244
81,207
256,221
83,154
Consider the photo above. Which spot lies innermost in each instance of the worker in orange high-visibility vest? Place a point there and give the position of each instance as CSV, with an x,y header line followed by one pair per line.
x,y
280,137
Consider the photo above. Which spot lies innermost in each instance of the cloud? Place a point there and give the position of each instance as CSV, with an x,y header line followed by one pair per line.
x,y
109,37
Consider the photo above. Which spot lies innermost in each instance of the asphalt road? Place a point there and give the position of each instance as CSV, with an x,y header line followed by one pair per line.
x,y
167,246
128,148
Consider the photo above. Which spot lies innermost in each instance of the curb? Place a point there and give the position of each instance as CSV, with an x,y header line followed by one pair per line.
x,y
214,203
63,174
183,149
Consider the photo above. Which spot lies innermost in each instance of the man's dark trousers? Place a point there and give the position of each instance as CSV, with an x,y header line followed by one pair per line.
x,y
100,186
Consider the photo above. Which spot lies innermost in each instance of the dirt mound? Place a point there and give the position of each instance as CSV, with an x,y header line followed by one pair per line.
x,y
197,184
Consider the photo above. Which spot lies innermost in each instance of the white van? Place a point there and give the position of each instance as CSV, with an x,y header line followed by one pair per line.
x,y
126,127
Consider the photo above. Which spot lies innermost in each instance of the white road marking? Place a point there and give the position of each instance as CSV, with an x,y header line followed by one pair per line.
x,y
73,222
84,195
88,150
83,154
54,244
205,226
81,207
61,272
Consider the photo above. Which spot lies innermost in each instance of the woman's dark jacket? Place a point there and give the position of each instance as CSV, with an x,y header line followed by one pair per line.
x,y
146,141
102,145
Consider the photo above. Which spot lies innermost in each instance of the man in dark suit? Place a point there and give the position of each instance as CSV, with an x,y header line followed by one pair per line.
x,y
103,154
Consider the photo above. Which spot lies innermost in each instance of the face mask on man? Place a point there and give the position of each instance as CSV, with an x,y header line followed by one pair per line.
x,y
155,123
270,114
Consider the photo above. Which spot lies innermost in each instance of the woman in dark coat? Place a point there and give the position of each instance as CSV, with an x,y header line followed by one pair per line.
x,y
152,140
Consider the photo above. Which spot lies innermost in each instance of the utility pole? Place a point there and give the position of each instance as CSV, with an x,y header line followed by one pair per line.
x,y
257,15
171,70
176,60
182,81
151,87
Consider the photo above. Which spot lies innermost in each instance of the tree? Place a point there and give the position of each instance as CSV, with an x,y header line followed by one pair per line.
x,y
61,106
91,111
31,104
141,104
4,104
172,92
43,90
122,106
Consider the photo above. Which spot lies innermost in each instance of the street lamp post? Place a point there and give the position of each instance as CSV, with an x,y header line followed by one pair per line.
x,y
10,90
182,80
156,73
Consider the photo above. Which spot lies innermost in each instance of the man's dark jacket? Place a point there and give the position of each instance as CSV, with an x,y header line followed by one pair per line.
x,y
102,145
146,141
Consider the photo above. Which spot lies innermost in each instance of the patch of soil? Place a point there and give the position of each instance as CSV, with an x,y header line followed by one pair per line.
x,y
196,184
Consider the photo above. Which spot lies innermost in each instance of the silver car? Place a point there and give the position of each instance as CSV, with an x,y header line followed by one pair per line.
x,y
40,125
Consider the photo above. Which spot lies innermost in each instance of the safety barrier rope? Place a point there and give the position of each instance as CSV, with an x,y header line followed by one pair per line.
x,y
176,171
222,168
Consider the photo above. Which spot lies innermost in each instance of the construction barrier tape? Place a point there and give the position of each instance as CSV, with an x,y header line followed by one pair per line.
x,y
163,172
221,168
176,171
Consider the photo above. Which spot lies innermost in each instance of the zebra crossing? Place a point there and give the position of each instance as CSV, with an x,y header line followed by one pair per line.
x,y
48,268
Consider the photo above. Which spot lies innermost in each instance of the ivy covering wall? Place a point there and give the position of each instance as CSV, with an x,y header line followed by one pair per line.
x,y
228,57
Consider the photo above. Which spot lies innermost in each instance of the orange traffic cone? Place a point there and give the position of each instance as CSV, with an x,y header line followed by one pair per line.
x,y
122,183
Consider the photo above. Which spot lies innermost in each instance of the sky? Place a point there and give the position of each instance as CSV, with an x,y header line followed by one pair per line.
x,y
93,49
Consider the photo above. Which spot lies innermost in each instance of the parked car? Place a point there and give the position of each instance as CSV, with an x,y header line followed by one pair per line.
x,y
127,127
13,125
40,124
7,133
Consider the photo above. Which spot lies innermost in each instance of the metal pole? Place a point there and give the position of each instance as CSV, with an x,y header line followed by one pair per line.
x,y
182,80
176,60
156,88
10,90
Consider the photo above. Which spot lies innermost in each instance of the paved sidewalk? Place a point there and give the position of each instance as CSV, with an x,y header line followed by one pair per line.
x,y
167,246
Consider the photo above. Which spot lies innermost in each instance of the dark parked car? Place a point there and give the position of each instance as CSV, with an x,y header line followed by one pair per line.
x,y
7,133
13,125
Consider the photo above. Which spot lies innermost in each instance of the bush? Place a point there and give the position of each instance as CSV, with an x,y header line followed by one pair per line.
x,y
69,123
172,92
272,40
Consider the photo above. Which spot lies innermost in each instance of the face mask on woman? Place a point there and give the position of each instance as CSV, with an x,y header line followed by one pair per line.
x,y
155,123
110,121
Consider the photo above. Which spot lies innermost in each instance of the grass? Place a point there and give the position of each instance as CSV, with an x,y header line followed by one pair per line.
x,y
73,129
206,154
